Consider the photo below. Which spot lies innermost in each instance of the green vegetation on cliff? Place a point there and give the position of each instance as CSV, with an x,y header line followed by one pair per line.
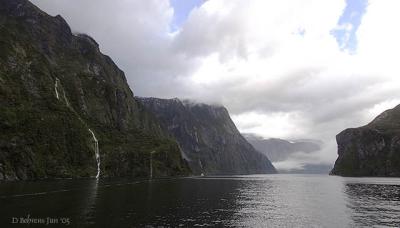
x,y
371,150
54,87
208,137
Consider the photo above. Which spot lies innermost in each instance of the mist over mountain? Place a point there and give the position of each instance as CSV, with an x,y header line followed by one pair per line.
x,y
198,113
295,156
279,149
209,140
283,69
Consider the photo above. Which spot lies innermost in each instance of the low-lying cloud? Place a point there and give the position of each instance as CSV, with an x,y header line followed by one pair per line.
x,y
276,65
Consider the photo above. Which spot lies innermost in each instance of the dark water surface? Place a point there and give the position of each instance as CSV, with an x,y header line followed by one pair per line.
x,y
235,201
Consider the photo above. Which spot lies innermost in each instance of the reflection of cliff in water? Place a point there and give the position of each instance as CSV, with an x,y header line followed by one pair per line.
x,y
189,202
88,213
374,204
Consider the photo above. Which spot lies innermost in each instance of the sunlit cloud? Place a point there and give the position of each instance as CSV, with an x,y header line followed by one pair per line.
x,y
286,69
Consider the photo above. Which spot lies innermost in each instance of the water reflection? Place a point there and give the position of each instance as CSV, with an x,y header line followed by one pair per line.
x,y
187,202
291,201
235,201
89,196
374,204
57,199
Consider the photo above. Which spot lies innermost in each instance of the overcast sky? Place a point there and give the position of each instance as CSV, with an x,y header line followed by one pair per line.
x,y
289,69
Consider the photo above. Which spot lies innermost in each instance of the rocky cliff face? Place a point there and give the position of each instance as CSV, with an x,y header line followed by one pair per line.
x,y
208,138
59,96
371,150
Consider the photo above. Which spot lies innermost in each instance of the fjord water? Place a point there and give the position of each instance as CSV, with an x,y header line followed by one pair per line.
x,y
236,201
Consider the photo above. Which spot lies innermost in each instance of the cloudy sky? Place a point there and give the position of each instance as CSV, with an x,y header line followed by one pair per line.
x,y
289,69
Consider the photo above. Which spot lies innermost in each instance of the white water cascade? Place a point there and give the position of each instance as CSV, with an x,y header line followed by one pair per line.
x,y
56,85
151,164
66,101
55,88
201,167
96,142
97,152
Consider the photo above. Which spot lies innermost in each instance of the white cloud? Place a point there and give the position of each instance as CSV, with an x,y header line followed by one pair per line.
x,y
378,34
274,64
136,34
377,108
278,125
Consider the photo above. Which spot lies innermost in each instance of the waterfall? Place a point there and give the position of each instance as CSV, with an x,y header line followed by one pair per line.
x,y
151,164
201,167
56,85
96,142
55,88
96,150
66,100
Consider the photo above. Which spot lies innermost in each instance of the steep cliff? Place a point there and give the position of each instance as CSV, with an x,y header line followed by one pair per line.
x,y
62,101
208,138
371,150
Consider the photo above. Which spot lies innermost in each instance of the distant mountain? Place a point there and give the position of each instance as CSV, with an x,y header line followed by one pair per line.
x,y
66,109
310,169
280,150
371,150
209,139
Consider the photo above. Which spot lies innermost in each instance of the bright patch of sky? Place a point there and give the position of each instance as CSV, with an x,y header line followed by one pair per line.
x,y
289,69
345,32
182,9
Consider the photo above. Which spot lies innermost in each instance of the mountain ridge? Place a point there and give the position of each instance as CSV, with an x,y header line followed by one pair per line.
x,y
208,137
371,150
63,100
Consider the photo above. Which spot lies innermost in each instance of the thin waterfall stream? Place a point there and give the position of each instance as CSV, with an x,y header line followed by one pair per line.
x,y
97,152
55,88
96,142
